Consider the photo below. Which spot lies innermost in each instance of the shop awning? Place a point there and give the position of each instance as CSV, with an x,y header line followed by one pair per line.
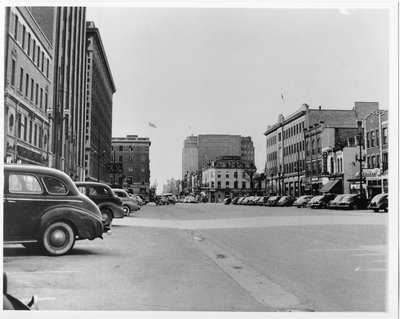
x,y
334,186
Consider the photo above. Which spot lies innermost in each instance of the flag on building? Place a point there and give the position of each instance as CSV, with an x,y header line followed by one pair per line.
x,y
152,125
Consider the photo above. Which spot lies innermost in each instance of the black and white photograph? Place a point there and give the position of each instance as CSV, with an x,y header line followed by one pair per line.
x,y
175,159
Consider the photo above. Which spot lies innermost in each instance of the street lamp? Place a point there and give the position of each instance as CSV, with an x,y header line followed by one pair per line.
x,y
360,158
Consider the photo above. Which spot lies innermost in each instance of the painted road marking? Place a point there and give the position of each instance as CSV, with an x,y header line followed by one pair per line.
x,y
258,285
41,272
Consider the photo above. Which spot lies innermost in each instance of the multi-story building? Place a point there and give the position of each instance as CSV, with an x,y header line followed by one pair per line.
x,y
294,157
69,93
28,91
172,187
377,151
133,153
227,176
199,150
100,88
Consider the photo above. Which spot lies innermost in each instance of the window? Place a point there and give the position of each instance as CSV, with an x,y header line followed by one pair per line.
x,y
219,174
372,139
26,84
130,159
235,174
377,138
47,68
45,101
16,27
212,184
367,140
40,137
41,98
385,161
37,94
120,159
38,57
29,44
13,73
372,161
227,184
121,148
219,184
54,186
378,159
35,136
27,184
32,85
42,68
21,78
227,174
33,50
23,37
368,162
243,184
30,131
19,125
25,128
384,135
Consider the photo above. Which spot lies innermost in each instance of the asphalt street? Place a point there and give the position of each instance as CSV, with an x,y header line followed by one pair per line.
x,y
212,257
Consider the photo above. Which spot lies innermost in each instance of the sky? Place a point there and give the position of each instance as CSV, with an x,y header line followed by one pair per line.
x,y
234,70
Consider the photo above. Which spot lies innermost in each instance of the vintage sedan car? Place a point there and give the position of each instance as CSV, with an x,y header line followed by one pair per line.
x,y
353,201
302,201
235,200
109,204
43,208
227,201
286,201
273,200
334,203
129,204
321,201
379,202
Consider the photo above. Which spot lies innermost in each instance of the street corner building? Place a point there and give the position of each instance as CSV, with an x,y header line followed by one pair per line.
x,y
314,151
58,91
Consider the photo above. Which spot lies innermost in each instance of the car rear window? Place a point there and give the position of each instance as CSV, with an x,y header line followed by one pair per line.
x,y
98,191
26,184
54,186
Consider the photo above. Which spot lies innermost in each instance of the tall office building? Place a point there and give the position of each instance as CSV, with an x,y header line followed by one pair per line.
x,y
199,150
100,88
28,89
69,96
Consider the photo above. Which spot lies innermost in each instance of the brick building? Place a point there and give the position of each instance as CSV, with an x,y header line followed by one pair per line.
x,y
294,157
376,172
100,88
28,89
134,154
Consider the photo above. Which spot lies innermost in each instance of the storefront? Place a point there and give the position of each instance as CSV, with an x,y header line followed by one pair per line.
x,y
377,183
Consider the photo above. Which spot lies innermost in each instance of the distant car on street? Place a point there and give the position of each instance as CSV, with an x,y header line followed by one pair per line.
x,y
273,200
170,197
379,202
129,204
43,208
227,201
321,201
302,201
286,201
109,204
235,200
354,201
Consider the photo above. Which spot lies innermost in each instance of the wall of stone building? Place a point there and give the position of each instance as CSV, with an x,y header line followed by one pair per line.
x,y
212,146
189,160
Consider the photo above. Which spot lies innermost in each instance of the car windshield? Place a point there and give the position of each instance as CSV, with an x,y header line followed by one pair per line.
x,y
347,197
377,198
317,198
339,198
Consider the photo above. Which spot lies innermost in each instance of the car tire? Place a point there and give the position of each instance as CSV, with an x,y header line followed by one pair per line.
x,y
107,215
127,210
355,207
58,238
376,210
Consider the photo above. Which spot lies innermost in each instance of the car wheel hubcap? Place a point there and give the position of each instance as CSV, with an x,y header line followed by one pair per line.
x,y
58,238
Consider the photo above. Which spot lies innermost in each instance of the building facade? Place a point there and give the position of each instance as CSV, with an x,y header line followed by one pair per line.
x,y
199,150
100,88
295,161
28,89
69,93
376,172
133,153
227,176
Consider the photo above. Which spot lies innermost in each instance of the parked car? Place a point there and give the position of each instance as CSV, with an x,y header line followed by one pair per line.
x,y
143,198
109,204
44,209
235,200
129,204
286,201
334,204
170,197
354,201
273,200
240,200
379,202
321,201
227,201
137,199
262,200
302,201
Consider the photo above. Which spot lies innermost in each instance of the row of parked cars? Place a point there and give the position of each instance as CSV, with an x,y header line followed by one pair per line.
x,y
333,201
44,208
